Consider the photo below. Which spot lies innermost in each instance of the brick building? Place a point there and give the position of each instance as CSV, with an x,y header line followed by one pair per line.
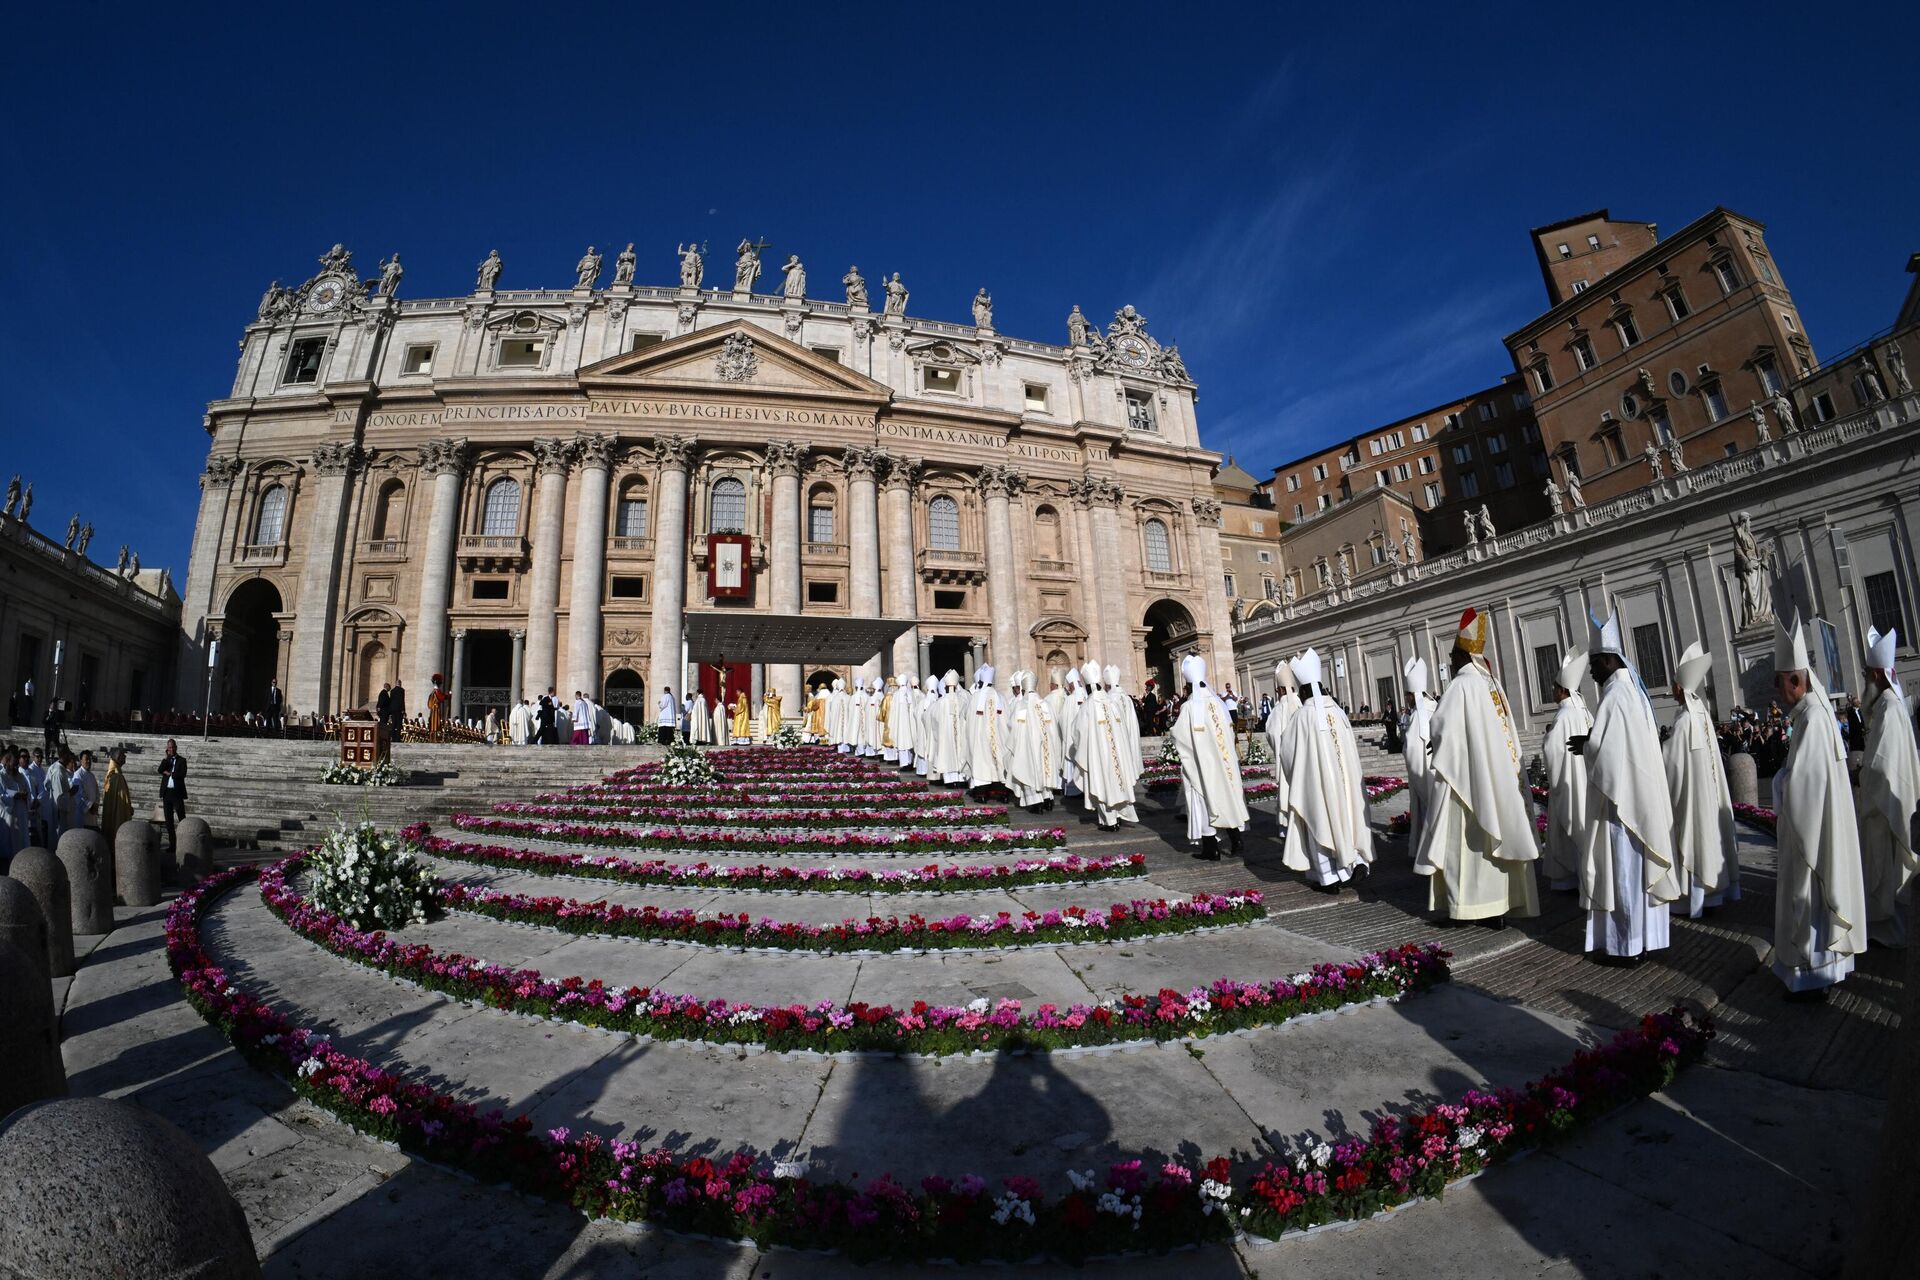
x,y
1249,540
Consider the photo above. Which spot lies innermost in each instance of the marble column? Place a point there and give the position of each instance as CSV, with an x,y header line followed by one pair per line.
x,y
674,454
196,601
996,484
446,461
973,659
1113,617
1211,569
863,542
457,695
314,603
584,633
926,659
518,692
553,458
1081,492
783,558
902,577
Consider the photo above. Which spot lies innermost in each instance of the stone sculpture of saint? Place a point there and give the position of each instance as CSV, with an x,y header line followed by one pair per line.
x,y
1752,565
1783,408
1759,416
1486,523
1406,546
86,536
1473,527
586,272
120,565
1076,327
746,267
133,565
1553,497
1897,361
856,287
1346,574
1646,384
795,286
489,272
1287,589
1653,460
26,503
1870,380
624,264
73,530
896,296
13,494
982,309
1172,366
693,268
273,301
390,273
1573,492
1679,459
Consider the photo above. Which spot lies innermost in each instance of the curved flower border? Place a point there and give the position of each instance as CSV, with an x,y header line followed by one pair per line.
x,y
961,840
933,878
1756,816
797,796
754,817
778,1204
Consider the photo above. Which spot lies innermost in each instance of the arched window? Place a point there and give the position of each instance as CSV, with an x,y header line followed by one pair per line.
x,y
270,530
1159,549
1046,523
943,524
500,516
388,510
630,519
820,514
727,507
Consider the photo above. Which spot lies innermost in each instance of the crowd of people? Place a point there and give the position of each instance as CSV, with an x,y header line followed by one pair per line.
x,y
47,791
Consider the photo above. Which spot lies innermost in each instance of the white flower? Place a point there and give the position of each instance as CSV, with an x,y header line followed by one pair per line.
x,y
1469,1136
977,1006
1321,1153
309,1067
1080,1181
790,1168
1211,1190
1011,1206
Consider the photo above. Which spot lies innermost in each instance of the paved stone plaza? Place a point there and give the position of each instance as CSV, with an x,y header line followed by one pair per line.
x,y
1735,1170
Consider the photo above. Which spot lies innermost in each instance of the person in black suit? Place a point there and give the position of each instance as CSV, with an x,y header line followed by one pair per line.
x,y
276,707
52,726
173,791
548,734
396,710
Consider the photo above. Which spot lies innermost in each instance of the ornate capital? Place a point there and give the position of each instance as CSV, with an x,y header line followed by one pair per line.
x,y
784,457
674,453
336,459
863,464
997,481
1092,489
553,455
220,472
450,456
904,473
1208,511
594,450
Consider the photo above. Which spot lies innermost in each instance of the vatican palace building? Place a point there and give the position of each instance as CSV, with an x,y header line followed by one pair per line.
x,y
531,488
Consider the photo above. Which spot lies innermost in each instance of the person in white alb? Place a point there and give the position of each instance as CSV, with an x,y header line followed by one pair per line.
x,y
1416,735
950,742
1326,819
699,718
1032,759
517,721
872,728
1279,720
1889,790
1820,896
926,728
986,732
1568,831
839,717
1705,843
668,717
1209,766
1073,701
1127,719
1107,776
1631,874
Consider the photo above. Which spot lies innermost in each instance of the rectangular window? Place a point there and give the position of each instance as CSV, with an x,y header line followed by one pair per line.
x,y
1384,477
827,353
1579,286
1463,454
303,360
1497,442
1716,401
1396,441
1823,407
418,360
1628,330
628,587
1542,378
1375,445
1677,304
819,523
1319,471
1728,276
1454,420
1229,582
1791,326
1427,464
1766,268
1503,474
1469,485
1326,500
1257,526
1611,446
1521,400
1570,462
1883,605
1546,669
1140,412
631,519
1566,251
1432,494
1662,426
1487,410
1036,397
945,380
1650,656
1377,553
1299,511
1401,471
1419,432
641,341
949,599
1265,557
521,353
1532,432
1583,352
1293,483
489,588
1769,376
823,592
1593,242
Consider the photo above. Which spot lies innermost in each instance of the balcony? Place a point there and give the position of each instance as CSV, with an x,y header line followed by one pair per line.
x,y
1159,578
1042,567
951,567
823,552
262,554
492,552
379,549
633,546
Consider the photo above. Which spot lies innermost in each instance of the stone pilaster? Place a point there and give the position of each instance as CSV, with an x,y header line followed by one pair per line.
x,y
1112,618
518,690
783,558
675,456
553,459
457,693
589,566
1080,492
997,483
903,600
1211,569
319,591
446,461
196,602
863,541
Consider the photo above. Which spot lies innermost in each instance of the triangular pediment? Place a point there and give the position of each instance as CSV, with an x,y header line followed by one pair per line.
x,y
739,357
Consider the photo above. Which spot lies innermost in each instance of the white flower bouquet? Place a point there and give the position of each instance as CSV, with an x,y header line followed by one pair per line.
x,y
370,879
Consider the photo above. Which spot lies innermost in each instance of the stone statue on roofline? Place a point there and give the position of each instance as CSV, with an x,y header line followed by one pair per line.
x,y
1076,327
1759,416
746,266
1652,456
795,285
390,273
982,309
13,494
692,266
624,265
73,529
489,272
586,272
896,296
86,536
1553,497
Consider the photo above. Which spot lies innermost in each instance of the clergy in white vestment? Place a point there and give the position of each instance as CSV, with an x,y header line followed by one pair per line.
x,y
1889,789
814,723
839,717
517,724
1705,846
1477,842
1129,718
1630,875
951,731
1209,765
1416,735
602,725
872,727
1055,695
722,723
1326,819
1032,750
1286,705
699,719
900,722
926,726
857,716
1108,777
1820,896
1073,699
986,732
1568,831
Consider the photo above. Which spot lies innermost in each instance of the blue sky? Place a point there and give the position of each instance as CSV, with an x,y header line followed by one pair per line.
x,y
1326,208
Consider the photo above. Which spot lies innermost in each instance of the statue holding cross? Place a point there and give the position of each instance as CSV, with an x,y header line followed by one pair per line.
x,y
746,267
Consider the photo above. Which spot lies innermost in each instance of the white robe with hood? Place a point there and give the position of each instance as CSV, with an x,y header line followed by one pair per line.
x,y
1629,876
1327,831
1210,783
1820,899
1705,842
1477,841
1889,790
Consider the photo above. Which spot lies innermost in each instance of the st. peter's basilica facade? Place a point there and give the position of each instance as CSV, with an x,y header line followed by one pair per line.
x,y
534,488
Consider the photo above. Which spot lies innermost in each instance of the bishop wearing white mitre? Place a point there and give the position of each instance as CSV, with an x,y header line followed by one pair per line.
x,y
1820,900
926,727
1629,877
1128,718
1477,843
1326,819
986,732
1704,843
1073,701
900,726
1107,775
1568,831
838,706
1209,770
1889,789
950,744
1032,754
873,728
1415,737
1286,705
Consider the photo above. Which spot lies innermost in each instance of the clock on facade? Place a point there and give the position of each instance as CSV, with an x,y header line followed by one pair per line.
x,y
1132,351
326,295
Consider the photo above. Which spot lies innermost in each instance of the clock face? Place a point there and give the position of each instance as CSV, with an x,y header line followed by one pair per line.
x,y
326,295
1131,351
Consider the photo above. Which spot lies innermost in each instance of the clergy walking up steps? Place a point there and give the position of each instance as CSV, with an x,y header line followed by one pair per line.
x,y
1568,829
1889,791
1706,848
1326,815
1209,766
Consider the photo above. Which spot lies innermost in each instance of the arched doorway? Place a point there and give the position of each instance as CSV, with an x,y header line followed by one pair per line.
x,y
250,647
375,668
820,680
1170,631
627,698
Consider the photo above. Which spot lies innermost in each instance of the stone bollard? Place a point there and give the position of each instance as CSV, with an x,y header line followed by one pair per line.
x,y
195,850
1743,779
83,852
30,1066
136,865
98,1187
46,879
22,924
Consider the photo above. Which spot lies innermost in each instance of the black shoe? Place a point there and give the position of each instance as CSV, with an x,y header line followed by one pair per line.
x,y
1495,924
1209,849
1233,841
